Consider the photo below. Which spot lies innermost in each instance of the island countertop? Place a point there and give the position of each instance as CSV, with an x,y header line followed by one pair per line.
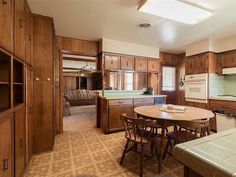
x,y
116,97
212,156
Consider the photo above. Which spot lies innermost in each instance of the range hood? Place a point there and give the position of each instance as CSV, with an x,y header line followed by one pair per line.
x,y
229,71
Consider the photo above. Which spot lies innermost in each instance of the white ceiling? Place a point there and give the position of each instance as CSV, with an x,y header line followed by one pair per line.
x,y
117,19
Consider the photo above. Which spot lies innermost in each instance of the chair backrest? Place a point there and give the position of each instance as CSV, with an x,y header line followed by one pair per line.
x,y
196,127
136,128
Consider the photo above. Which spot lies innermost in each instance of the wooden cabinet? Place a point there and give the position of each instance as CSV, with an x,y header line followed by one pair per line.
x,y
112,62
6,145
43,137
154,82
196,104
28,36
6,23
19,48
153,65
128,81
116,108
201,63
140,81
28,110
141,64
229,59
20,141
126,63
143,101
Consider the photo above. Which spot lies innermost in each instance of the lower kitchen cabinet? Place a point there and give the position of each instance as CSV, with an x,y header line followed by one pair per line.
x,y
6,146
20,142
114,116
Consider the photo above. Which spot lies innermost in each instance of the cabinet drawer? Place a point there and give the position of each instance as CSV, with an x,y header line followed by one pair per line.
x,y
121,102
143,101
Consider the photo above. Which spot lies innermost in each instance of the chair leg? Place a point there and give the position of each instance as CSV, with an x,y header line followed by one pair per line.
x,y
124,152
166,149
156,149
141,161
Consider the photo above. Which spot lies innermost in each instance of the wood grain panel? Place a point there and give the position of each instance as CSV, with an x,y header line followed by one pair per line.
x,y
43,137
6,23
69,83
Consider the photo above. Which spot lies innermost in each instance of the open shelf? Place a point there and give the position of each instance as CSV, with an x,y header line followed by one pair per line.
x,y
18,95
5,81
18,83
18,75
5,68
5,95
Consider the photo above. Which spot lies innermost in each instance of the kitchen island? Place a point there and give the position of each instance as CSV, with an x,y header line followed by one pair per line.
x,y
114,103
212,156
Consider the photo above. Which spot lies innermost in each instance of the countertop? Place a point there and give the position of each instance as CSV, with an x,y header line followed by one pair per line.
x,y
211,156
223,98
116,97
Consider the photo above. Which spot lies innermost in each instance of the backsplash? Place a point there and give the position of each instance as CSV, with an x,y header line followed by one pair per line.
x,y
222,85
230,85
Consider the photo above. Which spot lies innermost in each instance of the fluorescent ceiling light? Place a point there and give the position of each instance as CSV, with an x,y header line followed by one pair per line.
x,y
175,10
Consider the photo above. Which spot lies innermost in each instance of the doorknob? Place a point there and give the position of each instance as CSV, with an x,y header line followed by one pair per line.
x,y
48,79
37,78
21,23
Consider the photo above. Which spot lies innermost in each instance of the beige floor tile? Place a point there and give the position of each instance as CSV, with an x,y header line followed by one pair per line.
x,y
62,155
83,160
80,151
40,160
65,174
101,156
37,171
61,166
107,167
87,171
96,147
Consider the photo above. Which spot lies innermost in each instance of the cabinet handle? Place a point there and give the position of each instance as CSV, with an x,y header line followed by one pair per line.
x,y
37,78
4,2
21,143
5,164
127,63
153,66
111,61
48,79
21,23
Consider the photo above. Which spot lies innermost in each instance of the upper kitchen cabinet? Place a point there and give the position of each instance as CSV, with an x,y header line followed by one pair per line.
x,y
6,23
153,65
112,62
28,36
228,59
141,64
201,63
19,48
127,63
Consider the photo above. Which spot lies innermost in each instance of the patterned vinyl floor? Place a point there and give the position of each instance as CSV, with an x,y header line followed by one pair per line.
x,y
90,153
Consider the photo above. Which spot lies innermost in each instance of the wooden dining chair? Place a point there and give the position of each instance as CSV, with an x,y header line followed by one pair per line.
x,y
187,131
139,131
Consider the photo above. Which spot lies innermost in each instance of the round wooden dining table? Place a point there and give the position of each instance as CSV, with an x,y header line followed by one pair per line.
x,y
165,118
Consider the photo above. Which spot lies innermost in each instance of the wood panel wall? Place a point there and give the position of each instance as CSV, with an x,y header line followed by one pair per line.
x,y
69,83
77,46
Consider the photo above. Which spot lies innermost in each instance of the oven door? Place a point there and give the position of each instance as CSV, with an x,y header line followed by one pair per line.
x,y
196,90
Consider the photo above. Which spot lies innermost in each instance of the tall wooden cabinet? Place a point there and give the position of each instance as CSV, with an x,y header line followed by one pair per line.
x,y
43,137
28,36
6,23
19,47
6,145
20,141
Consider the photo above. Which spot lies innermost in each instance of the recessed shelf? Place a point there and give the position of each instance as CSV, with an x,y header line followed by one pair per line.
x,y
18,72
5,67
18,94
16,83
5,96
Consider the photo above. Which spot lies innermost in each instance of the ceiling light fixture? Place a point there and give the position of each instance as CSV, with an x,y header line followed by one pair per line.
x,y
175,10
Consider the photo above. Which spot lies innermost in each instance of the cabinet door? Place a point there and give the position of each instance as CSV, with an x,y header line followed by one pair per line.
x,y
140,81
29,107
20,141
112,62
153,81
6,23
114,116
201,63
141,64
6,157
153,65
28,37
127,63
229,60
189,66
19,29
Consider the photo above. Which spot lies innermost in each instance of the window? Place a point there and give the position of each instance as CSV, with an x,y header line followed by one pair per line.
x,y
168,78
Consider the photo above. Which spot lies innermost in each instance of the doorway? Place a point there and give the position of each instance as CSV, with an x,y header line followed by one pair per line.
x,y
79,92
